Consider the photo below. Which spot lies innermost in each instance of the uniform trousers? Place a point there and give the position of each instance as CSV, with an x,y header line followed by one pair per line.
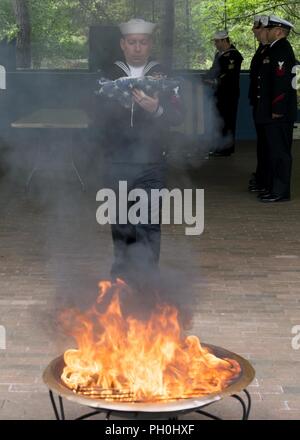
x,y
136,247
279,139
262,170
228,109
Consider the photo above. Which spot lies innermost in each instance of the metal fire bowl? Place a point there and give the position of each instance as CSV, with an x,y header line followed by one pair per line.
x,y
53,381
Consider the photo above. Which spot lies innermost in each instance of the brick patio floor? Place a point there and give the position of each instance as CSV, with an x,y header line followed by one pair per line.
x,y
242,280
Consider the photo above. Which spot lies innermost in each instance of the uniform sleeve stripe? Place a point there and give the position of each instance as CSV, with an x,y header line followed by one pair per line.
x,y
278,99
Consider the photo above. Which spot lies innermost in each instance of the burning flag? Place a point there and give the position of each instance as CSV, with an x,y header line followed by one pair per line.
x,y
127,359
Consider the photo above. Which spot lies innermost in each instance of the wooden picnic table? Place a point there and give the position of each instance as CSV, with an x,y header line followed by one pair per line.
x,y
46,118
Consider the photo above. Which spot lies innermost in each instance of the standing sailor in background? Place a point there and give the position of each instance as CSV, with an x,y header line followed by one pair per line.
x,y
259,181
276,108
224,76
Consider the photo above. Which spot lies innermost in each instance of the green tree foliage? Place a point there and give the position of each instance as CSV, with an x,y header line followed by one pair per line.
x,y
8,27
209,16
60,27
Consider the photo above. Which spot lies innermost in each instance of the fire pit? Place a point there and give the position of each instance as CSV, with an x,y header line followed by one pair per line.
x,y
150,410
141,368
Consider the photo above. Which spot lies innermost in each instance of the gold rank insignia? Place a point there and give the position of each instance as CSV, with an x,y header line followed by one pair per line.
x,y
266,60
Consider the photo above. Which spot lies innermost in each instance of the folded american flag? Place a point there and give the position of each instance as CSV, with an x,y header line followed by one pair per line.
x,y
121,89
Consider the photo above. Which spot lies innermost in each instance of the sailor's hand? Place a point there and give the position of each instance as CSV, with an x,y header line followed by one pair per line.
x,y
146,102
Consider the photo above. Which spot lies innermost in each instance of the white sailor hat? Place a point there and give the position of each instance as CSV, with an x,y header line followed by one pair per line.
x,y
221,35
256,18
137,26
274,21
260,20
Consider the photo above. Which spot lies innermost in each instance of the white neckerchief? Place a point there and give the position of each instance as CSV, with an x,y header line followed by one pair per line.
x,y
127,70
137,72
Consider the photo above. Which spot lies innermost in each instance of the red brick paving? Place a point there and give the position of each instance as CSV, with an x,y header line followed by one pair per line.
x,y
242,281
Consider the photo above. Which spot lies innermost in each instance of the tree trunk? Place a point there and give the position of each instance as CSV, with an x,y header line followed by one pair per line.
x,y
188,32
23,53
168,33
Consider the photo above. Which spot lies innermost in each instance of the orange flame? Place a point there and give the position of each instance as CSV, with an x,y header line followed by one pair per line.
x,y
132,360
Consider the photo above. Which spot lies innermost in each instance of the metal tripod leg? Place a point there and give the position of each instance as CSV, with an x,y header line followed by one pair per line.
x,y
59,415
76,170
35,167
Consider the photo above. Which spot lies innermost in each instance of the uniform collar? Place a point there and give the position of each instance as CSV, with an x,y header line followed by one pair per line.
x,y
228,50
126,69
276,41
